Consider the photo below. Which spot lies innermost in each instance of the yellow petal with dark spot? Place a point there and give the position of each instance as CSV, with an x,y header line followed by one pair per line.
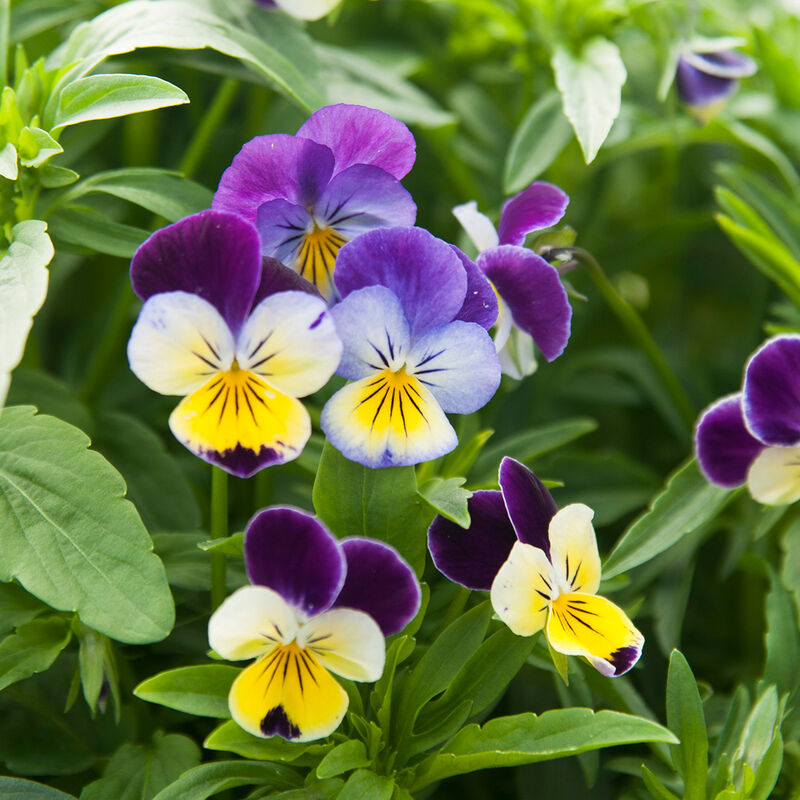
x,y
316,258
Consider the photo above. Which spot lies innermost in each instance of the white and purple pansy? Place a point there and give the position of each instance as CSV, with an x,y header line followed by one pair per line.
x,y
534,308
413,322
753,436
542,568
705,79
239,337
308,194
316,606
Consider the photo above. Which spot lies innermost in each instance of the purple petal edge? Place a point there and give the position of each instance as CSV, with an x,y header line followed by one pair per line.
x,y
480,304
539,206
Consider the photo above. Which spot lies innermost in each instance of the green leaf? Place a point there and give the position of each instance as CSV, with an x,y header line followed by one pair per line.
x,y
201,690
206,780
782,641
88,231
231,738
655,787
114,95
366,785
769,770
529,738
232,545
541,136
19,789
33,648
17,606
91,665
760,730
69,536
343,758
53,177
687,502
165,193
37,146
23,288
353,500
447,498
141,771
560,662
686,720
591,87
8,162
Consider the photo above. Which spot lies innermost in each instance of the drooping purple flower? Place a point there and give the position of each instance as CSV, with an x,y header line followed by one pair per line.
x,y
753,436
413,323
541,566
533,307
315,606
308,194
705,80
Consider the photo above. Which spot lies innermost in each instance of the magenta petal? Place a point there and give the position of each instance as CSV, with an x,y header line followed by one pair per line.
x,y
530,506
290,552
534,293
539,206
276,277
272,167
771,394
423,271
474,556
380,583
361,135
725,449
211,254
480,304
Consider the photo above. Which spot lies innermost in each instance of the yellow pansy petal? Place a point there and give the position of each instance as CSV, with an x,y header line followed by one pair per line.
x,y
241,423
317,255
774,476
591,626
288,693
522,589
573,549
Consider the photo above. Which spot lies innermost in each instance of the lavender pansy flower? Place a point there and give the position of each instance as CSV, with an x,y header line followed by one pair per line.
x,y
310,193
533,302
705,79
413,323
753,436
315,606
542,568
238,339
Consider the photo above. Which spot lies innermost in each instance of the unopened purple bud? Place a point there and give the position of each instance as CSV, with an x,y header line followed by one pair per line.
x,y
705,79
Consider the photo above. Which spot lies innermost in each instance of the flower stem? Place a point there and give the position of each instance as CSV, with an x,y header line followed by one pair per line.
x,y
219,530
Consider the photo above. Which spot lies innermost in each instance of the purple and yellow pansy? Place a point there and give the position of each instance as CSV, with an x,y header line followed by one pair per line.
x,y
753,436
240,338
316,606
413,322
308,194
534,308
542,568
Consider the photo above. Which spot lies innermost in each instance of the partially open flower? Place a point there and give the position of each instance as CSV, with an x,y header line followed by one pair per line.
x,y
542,567
706,79
316,606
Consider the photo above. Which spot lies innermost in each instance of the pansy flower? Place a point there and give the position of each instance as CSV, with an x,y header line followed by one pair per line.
x,y
534,308
310,193
238,339
413,323
753,436
542,568
316,606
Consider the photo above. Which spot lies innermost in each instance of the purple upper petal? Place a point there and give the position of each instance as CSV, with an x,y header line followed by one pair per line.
x,y
276,277
722,63
380,583
725,449
290,552
480,304
361,135
423,271
539,206
530,506
474,556
534,293
771,394
211,254
698,88
272,167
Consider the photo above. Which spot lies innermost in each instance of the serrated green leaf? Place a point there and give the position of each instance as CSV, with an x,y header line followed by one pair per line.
x,y
70,538
448,498
343,758
231,738
19,789
206,780
201,690
32,648
9,167
37,146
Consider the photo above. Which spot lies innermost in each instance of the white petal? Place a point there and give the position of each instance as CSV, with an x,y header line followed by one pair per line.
x,y
178,343
518,355
477,226
774,477
307,9
573,549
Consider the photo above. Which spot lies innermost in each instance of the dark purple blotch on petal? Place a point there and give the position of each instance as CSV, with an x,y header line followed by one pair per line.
x,y
771,393
379,583
277,723
276,277
725,448
474,556
700,89
480,304
529,504
290,552
539,206
244,462
624,658
535,295
211,254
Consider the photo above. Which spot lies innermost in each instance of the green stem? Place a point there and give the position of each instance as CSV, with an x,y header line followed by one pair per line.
x,y
637,330
219,530
212,119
